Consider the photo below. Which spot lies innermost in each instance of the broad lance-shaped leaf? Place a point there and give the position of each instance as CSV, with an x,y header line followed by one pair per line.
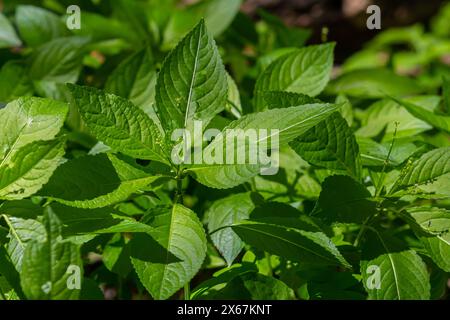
x,y
428,167
135,80
225,212
37,25
446,93
29,119
436,120
250,286
8,36
77,221
386,117
9,273
391,271
306,246
51,269
25,209
59,60
166,265
14,81
290,123
434,233
372,83
21,232
377,154
28,169
222,277
218,15
285,99
305,70
118,123
332,145
192,83
342,199
95,181
233,105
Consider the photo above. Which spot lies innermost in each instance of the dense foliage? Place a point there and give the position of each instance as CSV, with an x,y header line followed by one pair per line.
x,y
359,207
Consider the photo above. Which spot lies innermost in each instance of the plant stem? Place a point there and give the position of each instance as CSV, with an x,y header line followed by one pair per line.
x,y
378,187
187,291
179,194
361,231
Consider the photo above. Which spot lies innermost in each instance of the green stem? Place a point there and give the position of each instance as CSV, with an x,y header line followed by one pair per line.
x,y
379,187
361,231
179,194
187,291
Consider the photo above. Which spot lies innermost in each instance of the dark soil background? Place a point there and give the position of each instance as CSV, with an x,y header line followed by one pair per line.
x,y
346,19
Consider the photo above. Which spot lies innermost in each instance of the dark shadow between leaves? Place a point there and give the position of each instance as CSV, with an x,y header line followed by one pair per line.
x,y
145,248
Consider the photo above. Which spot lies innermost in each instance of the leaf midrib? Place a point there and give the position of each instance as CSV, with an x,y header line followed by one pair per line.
x,y
285,240
191,85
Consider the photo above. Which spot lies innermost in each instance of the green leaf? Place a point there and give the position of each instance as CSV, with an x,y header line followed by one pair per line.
x,y
252,286
372,83
46,269
283,36
222,277
118,123
428,167
332,145
77,221
346,110
435,236
9,272
438,121
402,273
376,154
116,256
446,92
14,81
218,15
29,119
305,70
225,212
106,28
96,181
59,60
263,287
265,60
135,79
181,236
291,122
21,232
192,83
234,99
391,117
365,59
342,199
37,26
25,209
8,36
306,246
285,99
438,282
28,169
